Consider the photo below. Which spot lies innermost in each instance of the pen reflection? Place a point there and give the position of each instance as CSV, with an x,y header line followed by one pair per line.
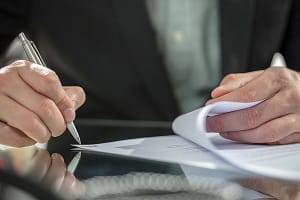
x,y
49,171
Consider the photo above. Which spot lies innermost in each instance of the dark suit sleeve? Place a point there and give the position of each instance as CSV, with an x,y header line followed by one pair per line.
x,y
13,19
291,43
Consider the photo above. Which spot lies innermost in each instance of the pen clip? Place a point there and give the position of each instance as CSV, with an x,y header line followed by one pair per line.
x,y
37,53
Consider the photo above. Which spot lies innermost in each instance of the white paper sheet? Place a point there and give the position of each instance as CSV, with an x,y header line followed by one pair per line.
x,y
163,148
281,161
192,125
275,161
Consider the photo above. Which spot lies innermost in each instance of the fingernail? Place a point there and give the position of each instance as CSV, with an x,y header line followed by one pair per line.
x,y
219,87
57,156
69,114
73,102
70,180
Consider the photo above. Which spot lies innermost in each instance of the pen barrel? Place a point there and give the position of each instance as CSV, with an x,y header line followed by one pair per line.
x,y
31,57
31,50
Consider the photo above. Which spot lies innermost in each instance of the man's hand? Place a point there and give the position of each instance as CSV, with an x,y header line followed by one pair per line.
x,y
50,171
33,104
274,121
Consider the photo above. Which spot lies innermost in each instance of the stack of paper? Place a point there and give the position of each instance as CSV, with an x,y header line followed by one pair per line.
x,y
194,146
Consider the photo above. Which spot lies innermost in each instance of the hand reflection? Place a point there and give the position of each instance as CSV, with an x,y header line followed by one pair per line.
x,y
51,172
278,189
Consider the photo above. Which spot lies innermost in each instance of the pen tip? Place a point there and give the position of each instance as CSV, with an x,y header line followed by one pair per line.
x,y
278,60
78,140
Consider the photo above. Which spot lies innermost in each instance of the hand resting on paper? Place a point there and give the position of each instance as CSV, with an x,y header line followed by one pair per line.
x,y
34,105
274,121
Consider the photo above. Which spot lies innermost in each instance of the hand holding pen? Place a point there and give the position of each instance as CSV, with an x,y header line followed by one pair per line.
x,y
34,56
34,105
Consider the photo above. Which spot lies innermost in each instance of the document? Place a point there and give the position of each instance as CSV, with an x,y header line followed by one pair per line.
x,y
193,145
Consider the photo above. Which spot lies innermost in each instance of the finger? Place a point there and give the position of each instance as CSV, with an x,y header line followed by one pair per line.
x,y
39,166
293,138
72,188
56,173
68,183
278,189
19,117
13,137
262,87
265,186
240,78
269,132
46,82
42,106
234,81
251,117
76,94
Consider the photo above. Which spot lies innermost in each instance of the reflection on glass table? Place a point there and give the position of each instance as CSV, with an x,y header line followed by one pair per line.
x,y
41,171
62,173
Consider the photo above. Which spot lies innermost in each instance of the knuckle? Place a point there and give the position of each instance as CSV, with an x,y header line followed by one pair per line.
x,y
47,108
249,96
215,124
60,130
284,76
51,79
21,63
9,72
41,134
270,136
48,111
22,142
7,77
19,140
293,121
44,136
294,96
230,76
29,124
50,86
252,117
294,75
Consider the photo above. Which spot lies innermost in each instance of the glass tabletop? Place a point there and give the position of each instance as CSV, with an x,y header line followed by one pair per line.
x,y
60,172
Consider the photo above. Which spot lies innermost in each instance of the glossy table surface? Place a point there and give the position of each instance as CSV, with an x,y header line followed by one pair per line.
x,y
59,172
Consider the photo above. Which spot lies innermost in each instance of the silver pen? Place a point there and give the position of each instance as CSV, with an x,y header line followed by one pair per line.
x,y
278,60
35,57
